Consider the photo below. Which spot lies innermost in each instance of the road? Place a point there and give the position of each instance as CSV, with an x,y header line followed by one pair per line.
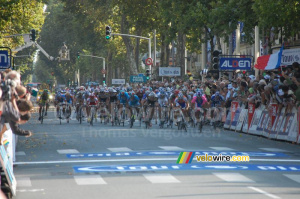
x,y
82,161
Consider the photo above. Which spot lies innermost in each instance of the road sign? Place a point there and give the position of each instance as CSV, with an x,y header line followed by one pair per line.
x,y
140,74
4,59
137,79
103,71
118,81
149,61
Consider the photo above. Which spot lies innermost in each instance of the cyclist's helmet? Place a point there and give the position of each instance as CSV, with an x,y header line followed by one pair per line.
x,y
147,92
122,92
152,95
176,92
162,94
180,95
217,93
199,93
129,89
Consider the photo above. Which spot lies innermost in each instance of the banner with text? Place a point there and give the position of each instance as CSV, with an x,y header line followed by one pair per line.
x,y
169,71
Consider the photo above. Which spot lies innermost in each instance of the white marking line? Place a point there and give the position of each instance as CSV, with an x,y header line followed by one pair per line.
x,y
23,182
161,178
89,180
67,151
29,190
296,178
222,148
263,192
171,148
131,160
120,149
274,149
233,177
20,153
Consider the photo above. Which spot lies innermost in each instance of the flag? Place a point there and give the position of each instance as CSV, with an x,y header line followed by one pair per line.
x,y
185,157
269,62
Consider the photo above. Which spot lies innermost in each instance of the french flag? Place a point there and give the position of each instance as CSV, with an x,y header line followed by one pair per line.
x,y
269,62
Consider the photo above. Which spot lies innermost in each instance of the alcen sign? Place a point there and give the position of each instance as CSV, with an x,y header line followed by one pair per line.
x,y
235,63
4,59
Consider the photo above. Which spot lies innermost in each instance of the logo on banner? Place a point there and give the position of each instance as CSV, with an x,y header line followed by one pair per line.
x,y
251,110
234,106
235,63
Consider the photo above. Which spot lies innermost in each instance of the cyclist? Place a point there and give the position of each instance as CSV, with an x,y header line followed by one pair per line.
x,y
69,100
92,100
162,102
123,98
198,101
150,102
59,98
103,97
44,98
79,97
217,101
134,102
113,99
181,103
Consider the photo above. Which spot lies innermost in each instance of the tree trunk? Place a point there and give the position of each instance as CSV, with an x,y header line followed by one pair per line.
x,y
180,59
129,46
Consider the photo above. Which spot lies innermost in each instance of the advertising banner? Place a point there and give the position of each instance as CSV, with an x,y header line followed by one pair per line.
x,y
251,110
235,120
233,108
241,120
235,63
169,71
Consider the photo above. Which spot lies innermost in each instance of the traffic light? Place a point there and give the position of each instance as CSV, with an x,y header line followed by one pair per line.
x,y
216,59
32,34
107,32
148,74
78,55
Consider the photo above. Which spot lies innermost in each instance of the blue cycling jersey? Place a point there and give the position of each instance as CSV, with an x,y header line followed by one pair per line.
x,y
135,101
123,98
216,100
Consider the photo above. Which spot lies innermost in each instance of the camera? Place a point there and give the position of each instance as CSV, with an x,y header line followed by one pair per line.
x,y
6,87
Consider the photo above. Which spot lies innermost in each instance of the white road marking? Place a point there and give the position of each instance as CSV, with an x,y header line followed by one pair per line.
x,y
29,190
161,178
171,148
221,148
89,180
133,160
120,149
23,182
67,151
263,192
233,177
20,153
274,149
296,178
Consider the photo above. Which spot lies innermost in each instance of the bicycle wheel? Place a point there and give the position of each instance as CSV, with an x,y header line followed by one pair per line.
x,y
131,121
123,117
59,116
42,114
80,115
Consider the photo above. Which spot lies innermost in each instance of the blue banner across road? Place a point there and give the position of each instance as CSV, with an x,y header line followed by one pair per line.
x,y
235,63
138,79
172,153
178,167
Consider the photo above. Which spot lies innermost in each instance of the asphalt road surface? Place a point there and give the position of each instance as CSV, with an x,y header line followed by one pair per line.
x,y
79,161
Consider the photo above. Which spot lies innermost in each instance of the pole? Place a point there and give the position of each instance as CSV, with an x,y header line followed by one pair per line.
x,y
238,40
257,45
154,55
149,49
104,70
